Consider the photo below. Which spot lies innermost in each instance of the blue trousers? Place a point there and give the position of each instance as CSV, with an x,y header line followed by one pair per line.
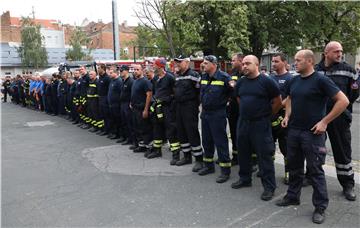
x,y
256,136
302,145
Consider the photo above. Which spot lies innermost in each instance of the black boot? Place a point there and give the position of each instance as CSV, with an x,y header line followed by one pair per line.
x,y
175,157
149,151
199,164
155,153
187,159
224,176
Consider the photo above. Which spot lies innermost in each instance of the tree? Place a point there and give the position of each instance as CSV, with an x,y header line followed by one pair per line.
x,y
326,21
31,51
153,14
77,40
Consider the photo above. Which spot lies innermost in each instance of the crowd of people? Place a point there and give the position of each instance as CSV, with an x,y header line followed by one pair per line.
x,y
154,106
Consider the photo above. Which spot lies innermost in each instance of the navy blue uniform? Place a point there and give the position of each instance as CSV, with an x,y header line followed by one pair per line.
x,y
84,83
309,96
214,94
143,128
62,90
103,84
279,133
113,99
186,92
233,115
254,128
163,107
126,113
54,97
345,77
92,106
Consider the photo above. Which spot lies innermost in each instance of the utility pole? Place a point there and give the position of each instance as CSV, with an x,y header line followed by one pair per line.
x,y
115,30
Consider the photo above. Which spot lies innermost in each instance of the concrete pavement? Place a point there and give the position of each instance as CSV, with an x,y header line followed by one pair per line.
x,y
56,174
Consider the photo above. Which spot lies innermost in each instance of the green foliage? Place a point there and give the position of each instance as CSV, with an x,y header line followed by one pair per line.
x,y
224,27
31,51
77,40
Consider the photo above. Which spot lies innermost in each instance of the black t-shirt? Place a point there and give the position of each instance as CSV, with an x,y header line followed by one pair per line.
x,y
255,96
104,81
138,91
126,89
309,96
164,88
282,80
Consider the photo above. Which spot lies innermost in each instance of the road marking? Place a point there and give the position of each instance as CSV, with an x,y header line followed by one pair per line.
x,y
39,123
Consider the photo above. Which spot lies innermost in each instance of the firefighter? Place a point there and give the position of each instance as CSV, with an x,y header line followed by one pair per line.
x,y
141,95
215,91
282,76
345,77
104,81
307,121
233,107
259,97
126,113
92,99
84,83
163,109
113,99
186,94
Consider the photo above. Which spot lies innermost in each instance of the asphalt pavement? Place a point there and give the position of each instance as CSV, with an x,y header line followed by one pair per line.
x,y
55,174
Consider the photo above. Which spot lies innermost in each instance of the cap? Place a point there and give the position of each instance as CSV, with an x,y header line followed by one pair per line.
x,y
182,58
160,63
124,67
211,58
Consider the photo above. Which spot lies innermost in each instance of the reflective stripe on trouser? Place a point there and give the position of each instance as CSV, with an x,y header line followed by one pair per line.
x,y
340,138
213,125
187,122
166,128
157,143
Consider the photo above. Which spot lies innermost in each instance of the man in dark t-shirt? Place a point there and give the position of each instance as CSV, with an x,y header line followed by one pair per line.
x,y
141,95
306,119
259,97
281,77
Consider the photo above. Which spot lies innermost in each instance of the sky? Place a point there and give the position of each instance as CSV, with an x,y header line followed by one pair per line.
x,y
71,11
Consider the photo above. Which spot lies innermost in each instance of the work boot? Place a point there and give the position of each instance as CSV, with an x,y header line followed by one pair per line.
x,y
148,151
93,129
187,159
133,147
349,193
155,153
318,216
267,195
127,142
113,137
240,184
175,157
140,149
206,170
121,140
224,176
199,164
284,202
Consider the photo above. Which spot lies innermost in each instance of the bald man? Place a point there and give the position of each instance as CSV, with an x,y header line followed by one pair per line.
x,y
339,133
307,95
259,98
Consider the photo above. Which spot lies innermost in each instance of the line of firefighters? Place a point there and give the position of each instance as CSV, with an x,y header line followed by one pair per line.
x,y
155,106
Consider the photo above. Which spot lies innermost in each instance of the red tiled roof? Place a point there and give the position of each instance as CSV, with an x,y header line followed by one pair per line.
x,y
45,23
